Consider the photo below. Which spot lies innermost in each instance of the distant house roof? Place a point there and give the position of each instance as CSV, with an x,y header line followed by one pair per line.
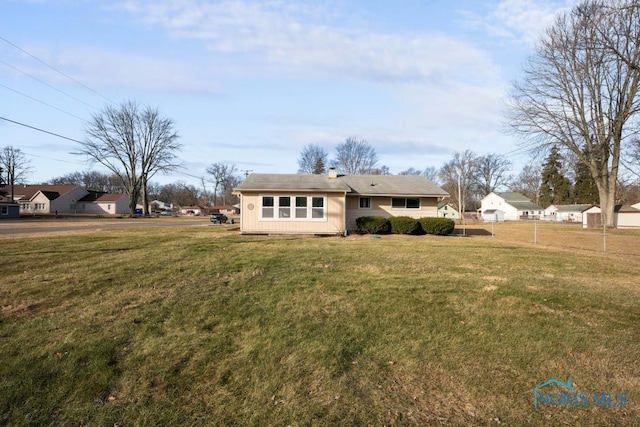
x,y
27,192
101,197
365,185
492,211
519,201
512,196
572,208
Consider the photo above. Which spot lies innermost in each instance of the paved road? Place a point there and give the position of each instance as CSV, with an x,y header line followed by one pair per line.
x,y
56,225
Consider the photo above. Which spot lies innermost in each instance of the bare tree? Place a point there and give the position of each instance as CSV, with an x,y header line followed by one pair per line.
x,y
527,182
15,166
132,144
313,160
158,147
431,173
491,173
222,175
92,180
458,178
356,157
580,90
411,171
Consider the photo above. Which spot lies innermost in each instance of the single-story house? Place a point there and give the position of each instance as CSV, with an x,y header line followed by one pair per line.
x,y
48,199
191,210
158,206
231,210
100,203
565,213
625,216
445,210
330,204
514,206
9,209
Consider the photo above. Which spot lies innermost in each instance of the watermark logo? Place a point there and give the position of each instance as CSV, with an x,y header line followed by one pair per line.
x,y
571,397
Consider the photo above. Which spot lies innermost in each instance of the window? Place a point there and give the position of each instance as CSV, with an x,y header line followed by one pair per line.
x,y
4,210
26,206
405,203
317,210
365,202
40,206
305,208
267,206
301,207
284,207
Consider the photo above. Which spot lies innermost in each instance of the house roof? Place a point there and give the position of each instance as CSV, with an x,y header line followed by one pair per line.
x,y
100,197
492,211
512,196
366,185
572,208
27,192
519,201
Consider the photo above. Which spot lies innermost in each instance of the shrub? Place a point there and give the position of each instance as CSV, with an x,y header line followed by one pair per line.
x,y
405,225
373,225
437,226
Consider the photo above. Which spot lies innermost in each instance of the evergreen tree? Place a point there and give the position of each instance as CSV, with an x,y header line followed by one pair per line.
x,y
584,188
555,188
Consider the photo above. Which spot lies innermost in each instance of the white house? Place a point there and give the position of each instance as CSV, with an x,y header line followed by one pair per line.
x,y
512,207
445,210
66,199
565,213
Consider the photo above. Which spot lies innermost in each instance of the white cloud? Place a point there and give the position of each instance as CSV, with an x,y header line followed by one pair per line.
x,y
285,38
521,21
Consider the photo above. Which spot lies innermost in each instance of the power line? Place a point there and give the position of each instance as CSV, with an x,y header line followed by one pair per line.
x,y
42,102
40,130
47,84
56,70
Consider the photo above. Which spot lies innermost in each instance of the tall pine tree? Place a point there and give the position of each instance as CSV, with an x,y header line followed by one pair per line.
x,y
555,188
584,188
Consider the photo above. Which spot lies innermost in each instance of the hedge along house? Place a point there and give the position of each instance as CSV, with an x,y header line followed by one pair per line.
x,y
330,204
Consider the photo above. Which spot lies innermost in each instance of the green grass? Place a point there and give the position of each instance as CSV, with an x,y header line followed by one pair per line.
x,y
201,326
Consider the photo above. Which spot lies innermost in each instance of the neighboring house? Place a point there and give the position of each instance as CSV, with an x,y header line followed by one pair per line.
x,y
64,199
625,216
550,213
100,203
191,210
514,206
330,204
157,206
228,209
9,209
445,210
565,213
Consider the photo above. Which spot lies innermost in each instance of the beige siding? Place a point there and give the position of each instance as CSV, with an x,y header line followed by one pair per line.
x,y
381,206
250,221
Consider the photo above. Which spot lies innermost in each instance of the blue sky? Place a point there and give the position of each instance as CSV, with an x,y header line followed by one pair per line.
x,y
251,83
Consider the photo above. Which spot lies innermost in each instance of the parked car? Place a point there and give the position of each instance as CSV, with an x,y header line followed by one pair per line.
x,y
218,218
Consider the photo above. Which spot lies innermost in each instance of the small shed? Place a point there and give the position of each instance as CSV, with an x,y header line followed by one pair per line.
x,y
8,209
493,215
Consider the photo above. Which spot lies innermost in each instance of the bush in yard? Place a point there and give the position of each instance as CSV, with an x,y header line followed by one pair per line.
x,y
438,226
373,225
405,225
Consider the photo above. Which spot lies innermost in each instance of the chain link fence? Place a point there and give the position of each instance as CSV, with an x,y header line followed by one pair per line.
x,y
572,236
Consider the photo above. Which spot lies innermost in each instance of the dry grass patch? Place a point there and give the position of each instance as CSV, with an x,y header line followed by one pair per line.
x,y
202,326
